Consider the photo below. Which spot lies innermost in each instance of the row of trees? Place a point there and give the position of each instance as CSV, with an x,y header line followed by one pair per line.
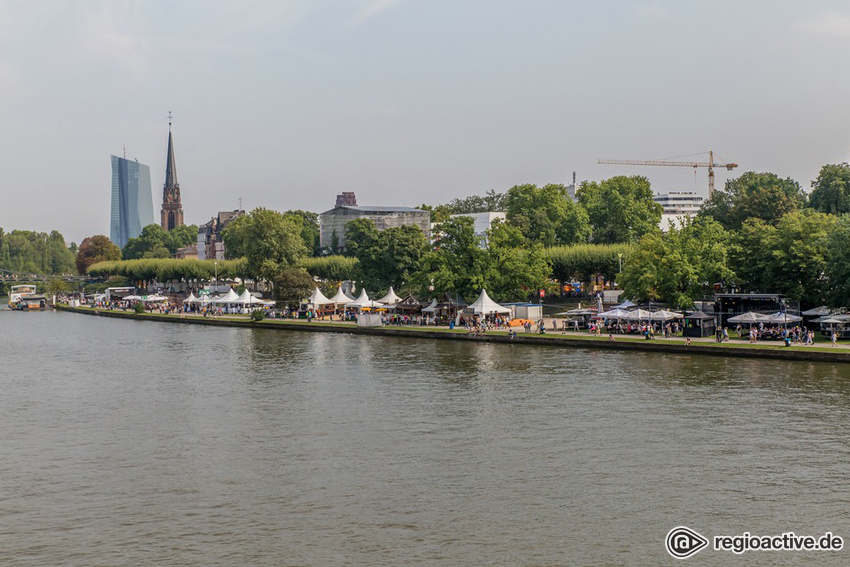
x,y
762,233
36,252
614,211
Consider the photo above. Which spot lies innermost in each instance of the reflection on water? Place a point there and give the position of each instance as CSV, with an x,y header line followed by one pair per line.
x,y
141,443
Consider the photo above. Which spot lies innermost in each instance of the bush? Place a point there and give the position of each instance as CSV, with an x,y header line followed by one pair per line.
x,y
331,268
139,308
258,315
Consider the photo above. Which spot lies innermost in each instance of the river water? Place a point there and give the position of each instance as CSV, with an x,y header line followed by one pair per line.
x,y
141,443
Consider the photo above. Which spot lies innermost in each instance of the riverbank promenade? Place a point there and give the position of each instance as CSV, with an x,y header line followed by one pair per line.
x,y
822,350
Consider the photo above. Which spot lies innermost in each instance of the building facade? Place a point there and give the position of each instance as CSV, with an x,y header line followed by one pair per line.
x,y
132,203
171,215
677,206
210,242
332,223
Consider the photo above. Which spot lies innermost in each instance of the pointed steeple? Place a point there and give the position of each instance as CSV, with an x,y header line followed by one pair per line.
x,y
172,206
170,164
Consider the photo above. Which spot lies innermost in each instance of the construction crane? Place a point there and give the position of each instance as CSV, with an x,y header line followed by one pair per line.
x,y
710,164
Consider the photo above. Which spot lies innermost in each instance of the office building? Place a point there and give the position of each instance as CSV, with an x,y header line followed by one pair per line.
x,y
132,204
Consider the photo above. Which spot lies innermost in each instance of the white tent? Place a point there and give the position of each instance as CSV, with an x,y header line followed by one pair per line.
x,y
750,318
615,313
484,305
363,301
782,318
317,298
664,315
639,315
248,299
432,307
153,298
390,298
231,297
191,299
340,298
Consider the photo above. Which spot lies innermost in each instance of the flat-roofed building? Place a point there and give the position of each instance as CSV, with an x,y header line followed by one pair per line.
x,y
678,206
332,223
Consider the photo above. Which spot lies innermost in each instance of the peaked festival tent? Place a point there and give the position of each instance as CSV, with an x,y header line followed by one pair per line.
x,y
248,299
363,301
390,298
432,307
615,314
782,318
484,305
230,297
317,298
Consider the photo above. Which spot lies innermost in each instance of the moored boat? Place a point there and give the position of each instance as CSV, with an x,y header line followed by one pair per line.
x,y
18,292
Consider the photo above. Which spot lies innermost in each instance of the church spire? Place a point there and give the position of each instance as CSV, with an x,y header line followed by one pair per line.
x,y
170,164
172,205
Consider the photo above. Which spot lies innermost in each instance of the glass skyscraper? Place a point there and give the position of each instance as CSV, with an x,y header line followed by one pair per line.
x,y
132,204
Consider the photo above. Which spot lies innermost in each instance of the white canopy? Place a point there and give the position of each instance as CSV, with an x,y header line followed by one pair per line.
x,y
750,318
153,298
191,299
431,308
615,313
484,305
363,301
781,318
231,297
248,299
390,298
317,298
664,315
340,298
639,315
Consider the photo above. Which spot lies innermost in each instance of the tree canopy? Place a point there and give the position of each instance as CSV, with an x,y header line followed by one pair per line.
x,y
269,242
385,258
678,266
35,252
763,196
546,215
788,257
831,190
95,249
620,209
156,242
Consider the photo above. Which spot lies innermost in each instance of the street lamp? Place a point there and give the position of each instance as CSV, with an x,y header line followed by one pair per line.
x,y
620,258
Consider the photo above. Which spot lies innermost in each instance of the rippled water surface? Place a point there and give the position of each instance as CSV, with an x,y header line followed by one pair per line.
x,y
140,443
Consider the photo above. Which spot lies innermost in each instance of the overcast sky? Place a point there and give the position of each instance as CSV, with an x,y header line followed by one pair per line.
x,y
285,103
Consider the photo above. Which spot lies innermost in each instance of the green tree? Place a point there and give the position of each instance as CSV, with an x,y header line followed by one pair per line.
x,y
831,190
678,266
789,257
546,214
515,268
60,259
762,196
386,258
456,264
94,249
360,235
309,223
838,263
156,242
620,209
292,285
267,240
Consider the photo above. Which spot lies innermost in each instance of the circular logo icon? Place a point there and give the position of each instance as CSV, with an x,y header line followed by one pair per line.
x,y
682,542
